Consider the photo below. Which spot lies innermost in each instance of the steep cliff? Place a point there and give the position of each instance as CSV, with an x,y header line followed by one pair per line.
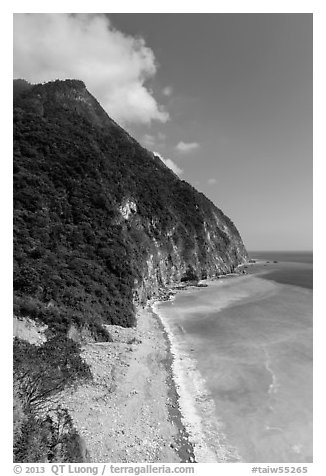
x,y
100,222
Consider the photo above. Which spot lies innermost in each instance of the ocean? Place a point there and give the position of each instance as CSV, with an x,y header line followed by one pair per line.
x,y
243,362
296,269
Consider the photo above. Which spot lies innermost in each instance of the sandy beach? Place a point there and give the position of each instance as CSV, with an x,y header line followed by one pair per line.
x,y
156,390
130,411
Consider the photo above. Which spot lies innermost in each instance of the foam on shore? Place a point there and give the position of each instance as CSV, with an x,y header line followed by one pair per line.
x,y
231,336
194,400
197,407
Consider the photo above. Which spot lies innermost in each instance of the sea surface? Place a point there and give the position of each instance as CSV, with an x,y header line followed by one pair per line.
x,y
296,269
243,361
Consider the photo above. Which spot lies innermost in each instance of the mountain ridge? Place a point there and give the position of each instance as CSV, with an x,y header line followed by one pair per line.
x,y
75,170
101,225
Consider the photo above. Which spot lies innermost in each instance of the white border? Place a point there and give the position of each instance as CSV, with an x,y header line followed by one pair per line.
x,y
167,6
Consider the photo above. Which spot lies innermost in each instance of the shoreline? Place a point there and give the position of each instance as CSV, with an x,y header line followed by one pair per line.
x,y
183,445
188,417
253,287
130,412
191,440
183,367
142,403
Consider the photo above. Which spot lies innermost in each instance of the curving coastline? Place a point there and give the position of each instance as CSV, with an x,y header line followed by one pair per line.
x,y
151,398
247,377
194,400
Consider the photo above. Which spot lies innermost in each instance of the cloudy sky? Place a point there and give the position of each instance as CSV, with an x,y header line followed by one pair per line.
x,y
224,99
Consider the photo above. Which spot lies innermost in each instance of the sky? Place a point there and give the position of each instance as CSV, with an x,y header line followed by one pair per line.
x,y
224,99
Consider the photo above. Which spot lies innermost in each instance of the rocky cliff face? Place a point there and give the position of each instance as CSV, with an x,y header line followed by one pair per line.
x,y
100,222
216,248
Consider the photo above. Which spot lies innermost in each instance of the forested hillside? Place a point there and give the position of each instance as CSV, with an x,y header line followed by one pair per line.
x,y
100,226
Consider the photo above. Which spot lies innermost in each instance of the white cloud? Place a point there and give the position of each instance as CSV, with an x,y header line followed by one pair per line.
x,y
113,65
169,163
186,147
148,140
211,181
161,136
167,91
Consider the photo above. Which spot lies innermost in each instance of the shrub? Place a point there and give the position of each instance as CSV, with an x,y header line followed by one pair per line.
x,y
51,439
41,372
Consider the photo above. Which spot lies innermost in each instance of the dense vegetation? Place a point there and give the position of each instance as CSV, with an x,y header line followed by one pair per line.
x,y
77,260
40,373
73,167
68,248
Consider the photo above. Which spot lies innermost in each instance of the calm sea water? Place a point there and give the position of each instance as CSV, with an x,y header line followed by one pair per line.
x,y
244,352
284,256
296,267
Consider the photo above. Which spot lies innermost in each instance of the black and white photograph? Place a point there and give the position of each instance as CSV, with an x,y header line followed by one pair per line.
x,y
163,239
